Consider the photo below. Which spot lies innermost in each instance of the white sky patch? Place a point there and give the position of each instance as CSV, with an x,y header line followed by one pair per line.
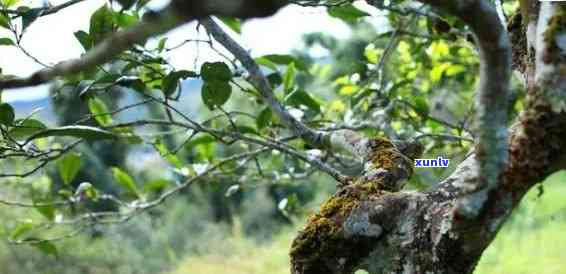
x,y
50,39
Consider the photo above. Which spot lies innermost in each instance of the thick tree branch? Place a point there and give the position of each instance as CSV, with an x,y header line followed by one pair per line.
x,y
177,13
101,53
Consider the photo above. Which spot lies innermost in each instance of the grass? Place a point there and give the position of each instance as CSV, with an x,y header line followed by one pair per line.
x,y
532,241
239,255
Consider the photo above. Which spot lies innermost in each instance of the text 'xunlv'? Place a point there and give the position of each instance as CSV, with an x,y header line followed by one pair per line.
x,y
438,162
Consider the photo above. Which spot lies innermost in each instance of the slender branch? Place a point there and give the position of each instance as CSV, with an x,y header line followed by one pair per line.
x,y
200,176
445,137
310,3
274,144
45,158
47,10
261,82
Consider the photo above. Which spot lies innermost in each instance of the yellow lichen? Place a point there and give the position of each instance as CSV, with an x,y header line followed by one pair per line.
x,y
323,237
380,143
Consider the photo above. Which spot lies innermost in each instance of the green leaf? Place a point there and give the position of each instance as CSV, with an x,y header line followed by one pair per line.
x,y
275,79
84,38
21,229
7,114
347,13
125,180
85,132
233,23
215,93
284,59
289,205
47,211
437,72
128,136
204,146
203,140
100,111
4,20
69,167
289,78
47,248
421,106
170,83
109,78
373,54
262,61
30,16
124,20
166,154
246,130
101,24
24,128
161,44
9,3
300,97
217,71
6,42
156,186
264,118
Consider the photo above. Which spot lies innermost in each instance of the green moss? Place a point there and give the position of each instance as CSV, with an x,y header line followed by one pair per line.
x,y
398,166
322,243
338,205
327,224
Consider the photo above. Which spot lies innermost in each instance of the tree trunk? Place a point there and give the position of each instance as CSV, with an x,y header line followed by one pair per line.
x,y
446,229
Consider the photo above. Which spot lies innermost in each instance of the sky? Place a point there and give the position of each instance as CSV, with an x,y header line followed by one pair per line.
x,y
50,39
